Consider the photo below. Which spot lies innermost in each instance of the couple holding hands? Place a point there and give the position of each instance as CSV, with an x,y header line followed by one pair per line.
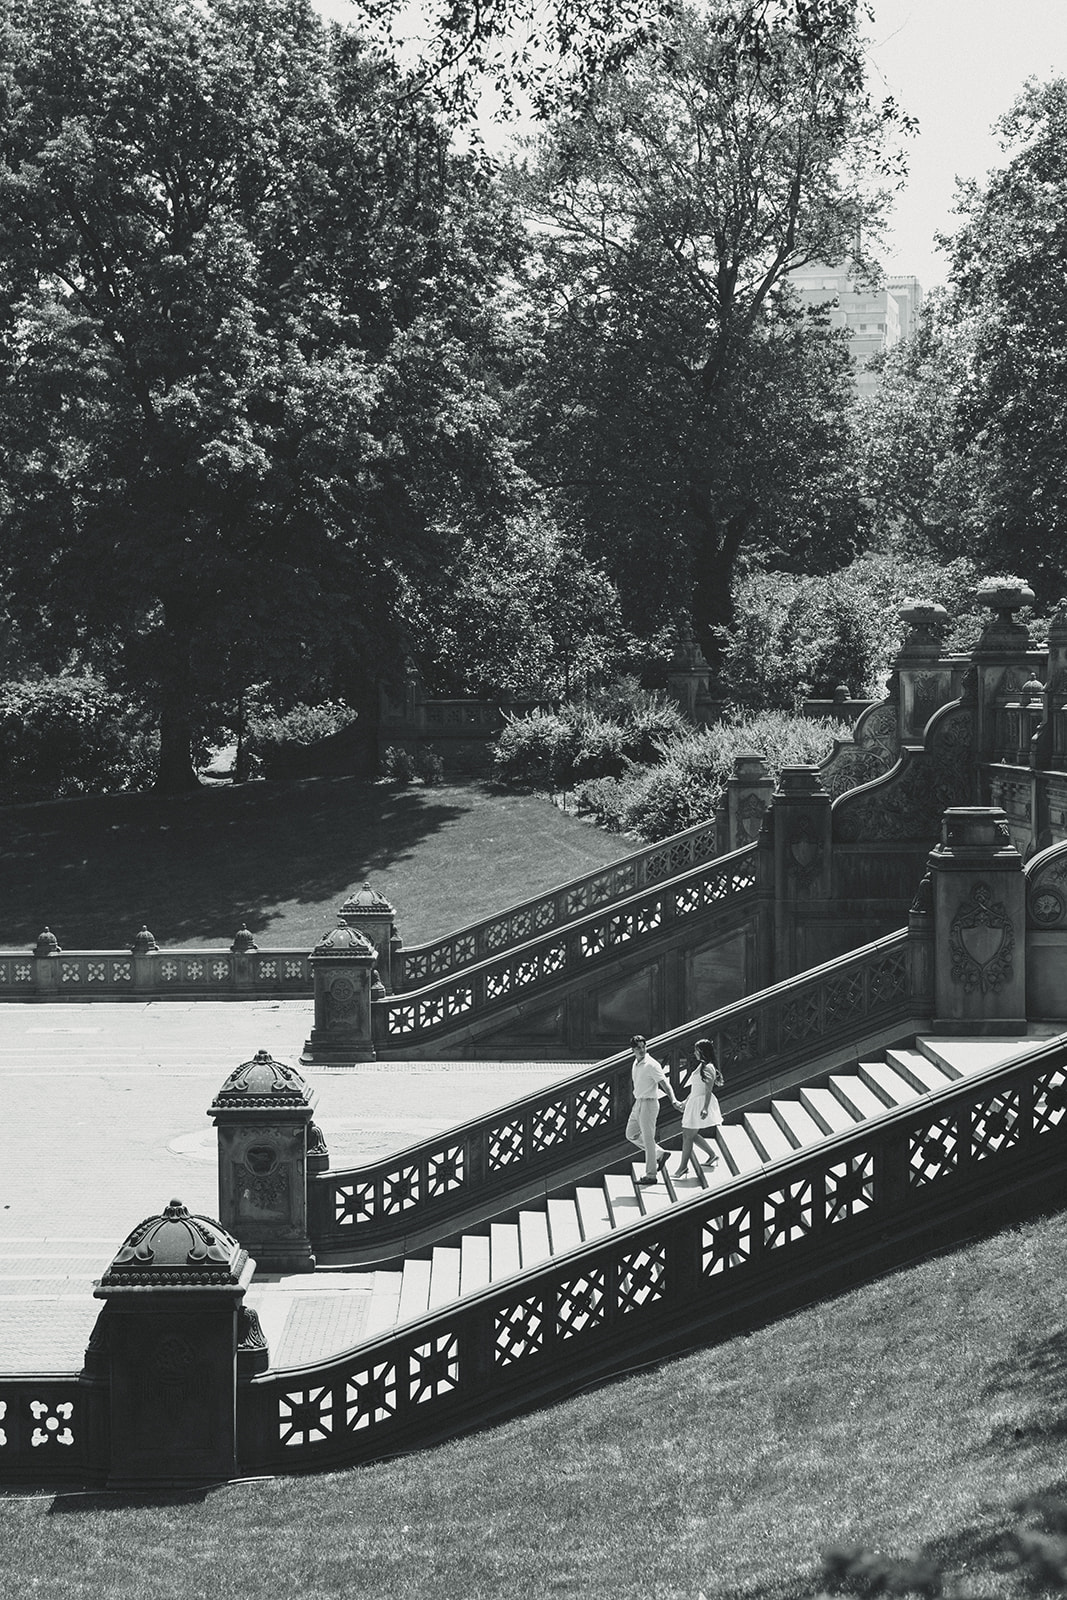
x,y
700,1110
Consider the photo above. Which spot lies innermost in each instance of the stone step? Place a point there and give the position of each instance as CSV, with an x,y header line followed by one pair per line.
x,y
625,1206
444,1276
594,1213
767,1135
797,1123
384,1306
564,1228
890,1087
741,1154
827,1110
534,1243
504,1255
969,1055
415,1290
474,1268
856,1095
918,1070
652,1197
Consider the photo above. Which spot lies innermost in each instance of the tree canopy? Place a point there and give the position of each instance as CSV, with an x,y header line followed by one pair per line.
x,y
693,414
244,332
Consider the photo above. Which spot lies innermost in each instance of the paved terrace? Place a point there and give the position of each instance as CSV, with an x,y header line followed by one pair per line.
x,y
105,1120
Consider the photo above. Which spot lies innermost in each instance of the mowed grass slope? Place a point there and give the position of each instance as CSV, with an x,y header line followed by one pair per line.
x,y
911,1414
281,856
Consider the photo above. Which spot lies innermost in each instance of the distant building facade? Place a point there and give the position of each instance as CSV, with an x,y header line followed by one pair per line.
x,y
876,319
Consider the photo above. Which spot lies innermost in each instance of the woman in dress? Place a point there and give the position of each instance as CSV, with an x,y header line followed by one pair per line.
x,y
702,1112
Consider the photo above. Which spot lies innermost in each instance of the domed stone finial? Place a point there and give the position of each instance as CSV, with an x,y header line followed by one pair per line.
x,y
244,942
176,1249
144,942
47,944
263,1083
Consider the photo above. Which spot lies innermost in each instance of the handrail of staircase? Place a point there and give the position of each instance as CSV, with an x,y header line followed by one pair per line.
x,y
872,1196
401,1021
362,1212
421,964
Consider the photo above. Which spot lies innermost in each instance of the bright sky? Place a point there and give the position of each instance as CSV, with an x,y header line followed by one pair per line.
x,y
956,65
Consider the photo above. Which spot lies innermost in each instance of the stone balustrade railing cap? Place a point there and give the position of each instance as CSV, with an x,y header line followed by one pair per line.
x,y
176,1250
263,1083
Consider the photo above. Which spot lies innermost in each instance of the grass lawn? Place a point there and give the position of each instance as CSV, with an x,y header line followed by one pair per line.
x,y
910,1414
281,856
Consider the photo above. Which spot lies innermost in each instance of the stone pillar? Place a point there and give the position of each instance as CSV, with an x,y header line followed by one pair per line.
x,y
342,966
45,965
263,1117
979,905
925,683
802,867
373,916
242,949
748,794
170,1337
145,952
996,662
688,675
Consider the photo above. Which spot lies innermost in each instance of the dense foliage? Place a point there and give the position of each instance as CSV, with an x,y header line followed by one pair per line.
x,y
694,418
70,735
637,765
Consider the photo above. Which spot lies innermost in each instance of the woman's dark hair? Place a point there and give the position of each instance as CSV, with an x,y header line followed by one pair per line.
x,y
704,1047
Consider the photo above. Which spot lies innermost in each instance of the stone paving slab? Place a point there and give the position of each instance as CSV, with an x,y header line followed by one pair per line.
x,y
105,1120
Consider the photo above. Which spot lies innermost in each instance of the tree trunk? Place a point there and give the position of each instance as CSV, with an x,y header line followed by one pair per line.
x,y
715,549
176,774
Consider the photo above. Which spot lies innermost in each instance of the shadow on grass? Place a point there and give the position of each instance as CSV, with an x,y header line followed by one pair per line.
x,y
89,1500
1032,1377
193,867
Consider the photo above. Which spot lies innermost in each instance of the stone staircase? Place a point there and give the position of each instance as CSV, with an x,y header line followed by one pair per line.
x,y
790,1123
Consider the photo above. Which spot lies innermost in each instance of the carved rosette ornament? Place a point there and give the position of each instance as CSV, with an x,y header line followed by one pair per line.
x,y
982,942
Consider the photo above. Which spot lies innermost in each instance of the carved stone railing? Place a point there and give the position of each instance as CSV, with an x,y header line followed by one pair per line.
x,y
367,1209
688,1274
49,1429
751,1247
872,750
422,964
422,1015
160,975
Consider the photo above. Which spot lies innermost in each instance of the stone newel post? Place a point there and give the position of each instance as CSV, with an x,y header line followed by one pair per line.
x,y
371,913
263,1117
170,1339
979,905
802,865
342,965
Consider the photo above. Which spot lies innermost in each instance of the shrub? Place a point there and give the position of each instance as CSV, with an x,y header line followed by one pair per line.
x,y
689,782
429,767
533,750
71,735
271,734
398,764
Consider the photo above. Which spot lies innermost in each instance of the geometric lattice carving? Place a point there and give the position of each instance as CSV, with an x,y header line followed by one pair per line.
x,y
305,1416
549,1126
580,1303
353,1202
434,1368
849,1186
995,1124
520,1330
370,1395
641,1277
1050,1100
933,1152
788,1215
505,1145
727,1240
592,1108
52,1423
444,1170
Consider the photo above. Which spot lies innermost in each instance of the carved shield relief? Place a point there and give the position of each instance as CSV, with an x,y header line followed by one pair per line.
x,y
982,942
